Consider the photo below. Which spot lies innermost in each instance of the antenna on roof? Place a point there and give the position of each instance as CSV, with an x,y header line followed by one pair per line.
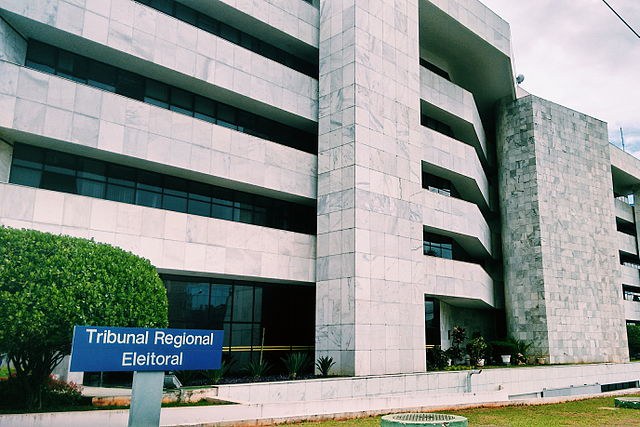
x,y
622,138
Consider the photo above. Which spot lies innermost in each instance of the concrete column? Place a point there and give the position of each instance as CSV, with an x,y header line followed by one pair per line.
x,y
370,311
13,47
562,286
6,152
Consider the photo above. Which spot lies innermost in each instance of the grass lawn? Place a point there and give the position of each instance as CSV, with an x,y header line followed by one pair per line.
x,y
591,412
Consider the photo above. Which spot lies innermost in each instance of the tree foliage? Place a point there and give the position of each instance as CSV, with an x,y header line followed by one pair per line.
x,y
50,283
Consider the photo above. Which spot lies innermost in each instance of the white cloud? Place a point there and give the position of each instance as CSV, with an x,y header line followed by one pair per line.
x,y
578,54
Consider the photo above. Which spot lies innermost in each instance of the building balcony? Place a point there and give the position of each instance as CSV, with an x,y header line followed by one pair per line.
x,y
458,283
457,162
625,171
632,310
455,106
142,40
630,275
174,242
624,211
627,243
459,220
296,18
473,45
53,112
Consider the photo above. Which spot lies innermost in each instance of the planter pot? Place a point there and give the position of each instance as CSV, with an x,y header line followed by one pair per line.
x,y
506,359
480,362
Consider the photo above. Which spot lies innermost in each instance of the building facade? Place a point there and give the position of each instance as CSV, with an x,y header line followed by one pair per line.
x,y
347,178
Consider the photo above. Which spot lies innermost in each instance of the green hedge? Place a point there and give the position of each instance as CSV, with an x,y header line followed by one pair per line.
x,y
633,334
50,283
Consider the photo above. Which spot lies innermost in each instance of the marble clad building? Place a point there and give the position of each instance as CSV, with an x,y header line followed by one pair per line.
x,y
348,178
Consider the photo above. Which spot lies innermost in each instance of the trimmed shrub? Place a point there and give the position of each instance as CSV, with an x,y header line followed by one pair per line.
x,y
633,335
50,283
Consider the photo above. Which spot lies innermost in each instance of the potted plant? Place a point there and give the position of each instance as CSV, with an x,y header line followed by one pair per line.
x,y
477,349
455,352
506,359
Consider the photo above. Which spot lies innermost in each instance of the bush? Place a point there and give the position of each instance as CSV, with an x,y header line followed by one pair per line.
x,y
294,363
477,349
324,364
50,283
633,335
257,370
437,359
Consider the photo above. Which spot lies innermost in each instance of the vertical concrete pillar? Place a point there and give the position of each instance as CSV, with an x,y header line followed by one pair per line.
x,y
562,286
6,152
369,313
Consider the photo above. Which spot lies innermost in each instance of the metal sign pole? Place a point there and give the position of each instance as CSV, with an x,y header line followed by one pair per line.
x,y
146,399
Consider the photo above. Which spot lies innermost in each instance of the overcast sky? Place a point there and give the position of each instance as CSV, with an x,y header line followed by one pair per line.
x,y
579,54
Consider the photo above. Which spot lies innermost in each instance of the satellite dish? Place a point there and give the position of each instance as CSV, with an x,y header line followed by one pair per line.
x,y
519,78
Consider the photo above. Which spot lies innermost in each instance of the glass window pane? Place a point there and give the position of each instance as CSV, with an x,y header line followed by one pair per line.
x,y
102,75
181,101
205,109
119,193
41,56
93,169
174,203
25,155
229,33
208,24
25,176
242,303
130,85
91,188
121,175
185,14
221,212
226,116
63,163
197,207
148,198
149,181
241,334
156,93
220,305
58,182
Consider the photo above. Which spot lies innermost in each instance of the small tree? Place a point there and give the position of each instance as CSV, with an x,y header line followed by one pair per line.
x,y
50,283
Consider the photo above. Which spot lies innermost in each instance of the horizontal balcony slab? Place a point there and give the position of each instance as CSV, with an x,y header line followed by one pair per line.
x,y
630,275
295,18
627,243
625,170
172,241
458,283
450,99
632,310
458,219
624,211
140,39
50,111
482,63
458,162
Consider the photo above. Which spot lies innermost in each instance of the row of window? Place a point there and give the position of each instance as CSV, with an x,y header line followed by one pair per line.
x,y
232,34
53,60
54,170
439,185
443,247
436,125
631,293
250,313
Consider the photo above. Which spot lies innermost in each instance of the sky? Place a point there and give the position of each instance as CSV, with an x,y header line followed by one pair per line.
x,y
579,54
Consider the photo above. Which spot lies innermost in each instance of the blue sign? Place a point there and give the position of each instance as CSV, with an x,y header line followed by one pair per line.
x,y
104,348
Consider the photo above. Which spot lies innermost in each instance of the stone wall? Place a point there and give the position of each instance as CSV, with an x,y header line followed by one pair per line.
x,y
6,152
559,236
13,47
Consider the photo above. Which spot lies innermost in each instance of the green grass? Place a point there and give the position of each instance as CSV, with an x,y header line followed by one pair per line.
x,y
591,412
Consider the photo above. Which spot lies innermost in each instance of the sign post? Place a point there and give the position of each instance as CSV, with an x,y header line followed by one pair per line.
x,y
148,352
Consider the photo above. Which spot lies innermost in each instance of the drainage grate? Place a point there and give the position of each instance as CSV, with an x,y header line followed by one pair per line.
x,y
423,419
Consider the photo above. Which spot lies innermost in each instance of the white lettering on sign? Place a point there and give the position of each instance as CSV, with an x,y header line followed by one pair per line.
x,y
109,337
132,358
177,341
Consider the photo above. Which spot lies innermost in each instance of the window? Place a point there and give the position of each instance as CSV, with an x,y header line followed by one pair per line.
x,y
432,321
438,185
234,35
434,69
631,293
438,246
60,62
436,125
57,171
